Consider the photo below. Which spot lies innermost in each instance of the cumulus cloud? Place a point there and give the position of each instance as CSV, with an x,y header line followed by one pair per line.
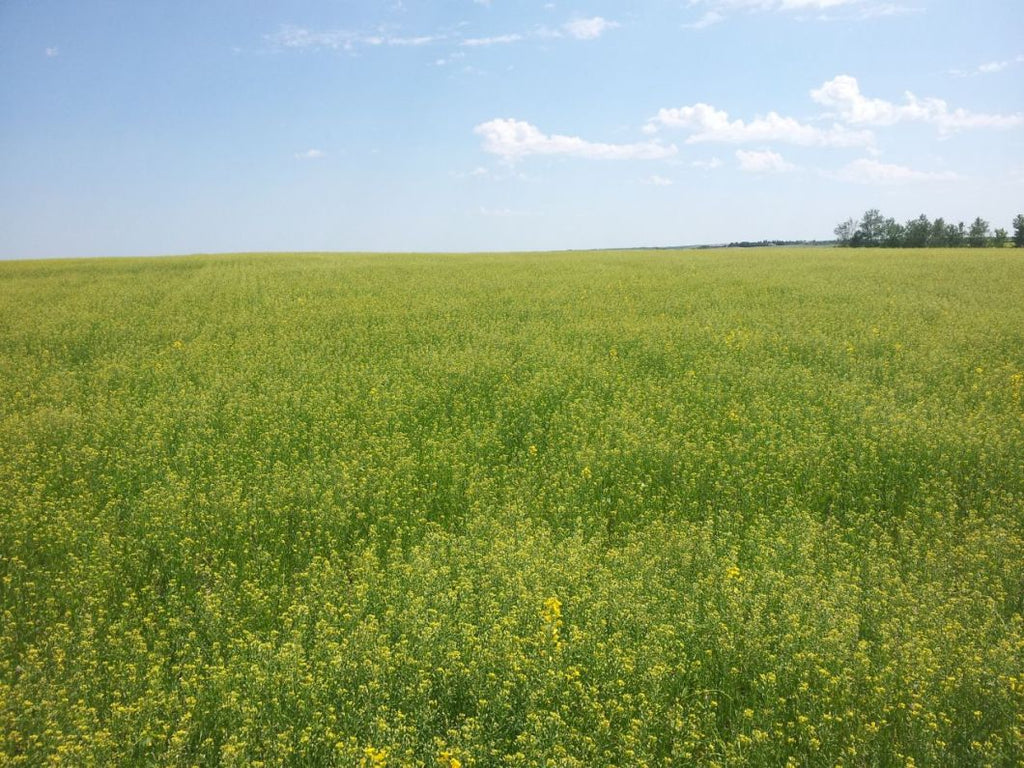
x,y
515,139
843,94
708,124
867,171
762,162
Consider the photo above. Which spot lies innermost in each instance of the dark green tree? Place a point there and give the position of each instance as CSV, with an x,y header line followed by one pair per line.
x,y
871,228
917,231
845,232
955,235
1000,238
1018,231
938,237
978,236
892,234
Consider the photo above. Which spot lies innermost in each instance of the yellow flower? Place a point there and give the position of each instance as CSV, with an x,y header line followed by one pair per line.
x,y
552,610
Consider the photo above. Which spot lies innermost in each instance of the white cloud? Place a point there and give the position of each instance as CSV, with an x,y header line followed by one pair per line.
x,y
305,39
708,19
589,29
990,67
762,162
579,29
658,181
52,52
775,5
843,94
412,41
310,154
707,165
993,66
479,42
713,125
516,139
859,10
866,171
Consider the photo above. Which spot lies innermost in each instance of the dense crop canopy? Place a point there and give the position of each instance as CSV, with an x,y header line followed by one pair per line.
x,y
634,509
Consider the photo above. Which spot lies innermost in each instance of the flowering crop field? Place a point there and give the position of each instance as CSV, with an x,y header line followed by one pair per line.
x,y
578,509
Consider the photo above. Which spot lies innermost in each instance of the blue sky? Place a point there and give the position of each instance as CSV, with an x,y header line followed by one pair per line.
x,y
230,125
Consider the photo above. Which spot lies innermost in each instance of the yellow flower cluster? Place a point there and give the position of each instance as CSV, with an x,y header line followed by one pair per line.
x,y
631,509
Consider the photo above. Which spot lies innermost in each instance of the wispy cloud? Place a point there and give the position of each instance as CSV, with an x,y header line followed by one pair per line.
x,y
843,94
708,124
762,162
310,154
478,42
867,171
990,67
658,181
300,38
867,12
588,29
52,53
515,139
707,165
774,5
710,18
577,29
820,10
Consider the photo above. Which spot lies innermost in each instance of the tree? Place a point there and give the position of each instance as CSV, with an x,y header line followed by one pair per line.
x,y
845,232
955,235
938,237
917,231
1018,231
1001,238
871,228
978,236
892,234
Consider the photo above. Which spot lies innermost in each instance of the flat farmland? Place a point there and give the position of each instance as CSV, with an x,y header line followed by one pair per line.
x,y
650,508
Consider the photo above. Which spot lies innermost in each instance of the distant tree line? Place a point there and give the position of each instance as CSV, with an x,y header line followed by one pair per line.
x,y
876,231
768,243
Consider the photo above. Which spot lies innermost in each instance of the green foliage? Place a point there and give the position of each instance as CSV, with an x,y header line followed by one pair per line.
x,y
636,509
978,235
874,231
